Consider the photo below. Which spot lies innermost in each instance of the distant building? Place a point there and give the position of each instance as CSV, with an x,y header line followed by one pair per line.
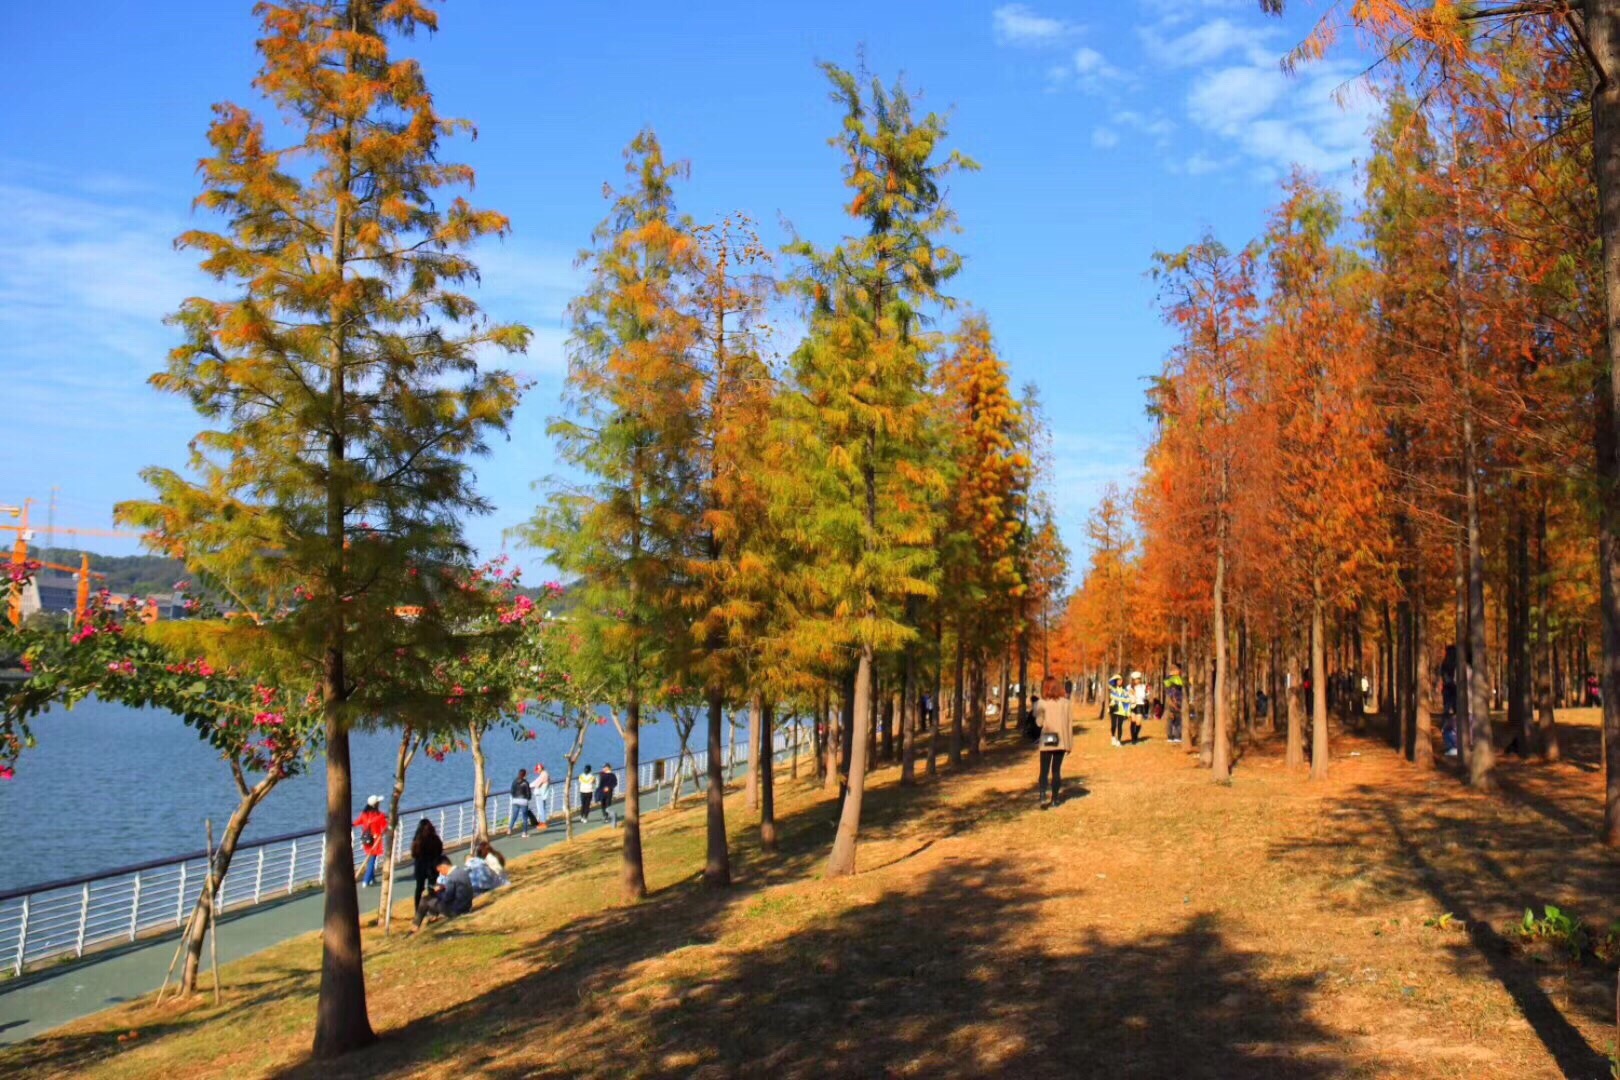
x,y
57,593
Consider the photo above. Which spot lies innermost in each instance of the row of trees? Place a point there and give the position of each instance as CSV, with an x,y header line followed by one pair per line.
x,y
772,532
822,534
1373,442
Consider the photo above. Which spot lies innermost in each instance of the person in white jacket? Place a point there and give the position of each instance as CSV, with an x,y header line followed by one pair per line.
x,y
587,792
1139,706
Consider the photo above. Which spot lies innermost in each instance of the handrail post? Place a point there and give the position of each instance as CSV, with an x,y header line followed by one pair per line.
x,y
180,898
135,907
292,867
258,876
22,938
84,915
323,856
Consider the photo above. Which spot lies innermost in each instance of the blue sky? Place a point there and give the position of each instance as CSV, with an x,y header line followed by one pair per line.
x,y
1106,129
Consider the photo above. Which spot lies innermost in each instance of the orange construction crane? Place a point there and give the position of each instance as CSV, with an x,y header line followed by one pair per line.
x,y
19,557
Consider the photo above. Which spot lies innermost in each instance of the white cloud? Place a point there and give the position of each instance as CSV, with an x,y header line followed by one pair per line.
x,y
1088,70
1208,42
1156,126
1318,120
1104,138
1019,24
1173,12
1201,164
1224,100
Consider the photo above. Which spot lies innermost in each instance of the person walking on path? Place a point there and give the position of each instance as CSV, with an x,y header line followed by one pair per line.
x,y
1175,692
1119,708
520,812
426,847
587,792
1056,720
540,793
1139,706
606,783
373,825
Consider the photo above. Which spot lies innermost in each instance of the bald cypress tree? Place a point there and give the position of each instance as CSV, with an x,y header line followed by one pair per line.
x,y
339,375
860,406
635,395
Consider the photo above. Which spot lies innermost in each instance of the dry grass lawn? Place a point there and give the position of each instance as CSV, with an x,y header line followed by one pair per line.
x,y
1153,925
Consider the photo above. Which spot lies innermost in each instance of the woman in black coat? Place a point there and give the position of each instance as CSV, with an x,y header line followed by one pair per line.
x,y
426,847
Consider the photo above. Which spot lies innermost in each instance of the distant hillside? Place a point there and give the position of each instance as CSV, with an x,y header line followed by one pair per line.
x,y
135,575
139,575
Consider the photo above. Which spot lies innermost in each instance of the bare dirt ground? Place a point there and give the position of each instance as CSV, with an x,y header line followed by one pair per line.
x,y
1153,925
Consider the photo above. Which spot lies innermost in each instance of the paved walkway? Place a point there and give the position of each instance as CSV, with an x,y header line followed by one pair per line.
x,y
40,1001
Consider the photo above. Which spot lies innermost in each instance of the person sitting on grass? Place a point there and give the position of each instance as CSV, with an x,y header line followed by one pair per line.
x,y
486,867
452,896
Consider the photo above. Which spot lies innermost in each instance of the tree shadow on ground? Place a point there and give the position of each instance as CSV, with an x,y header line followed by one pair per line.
x,y
1484,863
942,978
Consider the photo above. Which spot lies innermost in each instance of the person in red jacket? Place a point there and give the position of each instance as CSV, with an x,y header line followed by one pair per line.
x,y
372,825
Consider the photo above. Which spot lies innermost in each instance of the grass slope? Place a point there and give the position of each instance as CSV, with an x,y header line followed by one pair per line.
x,y
1154,925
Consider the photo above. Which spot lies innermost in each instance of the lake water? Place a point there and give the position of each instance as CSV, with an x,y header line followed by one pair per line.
x,y
109,785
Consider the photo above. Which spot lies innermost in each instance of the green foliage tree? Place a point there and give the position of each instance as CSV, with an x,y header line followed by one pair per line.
x,y
858,404
340,378
623,533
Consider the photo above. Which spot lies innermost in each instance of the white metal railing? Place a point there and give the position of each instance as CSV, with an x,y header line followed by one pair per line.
x,y
68,918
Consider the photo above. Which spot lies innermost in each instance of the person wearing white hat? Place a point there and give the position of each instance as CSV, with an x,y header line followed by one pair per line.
x,y
373,826
1139,706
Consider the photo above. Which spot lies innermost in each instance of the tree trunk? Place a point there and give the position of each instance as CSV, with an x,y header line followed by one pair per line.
x,y
766,756
632,871
1006,692
475,733
957,703
1547,742
1023,670
1422,680
1221,753
841,862
717,857
908,719
1521,707
793,767
939,694
1206,712
1603,36
1319,712
753,753
197,926
408,744
830,782
1294,755
572,757
1482,752
341,1023
980,695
